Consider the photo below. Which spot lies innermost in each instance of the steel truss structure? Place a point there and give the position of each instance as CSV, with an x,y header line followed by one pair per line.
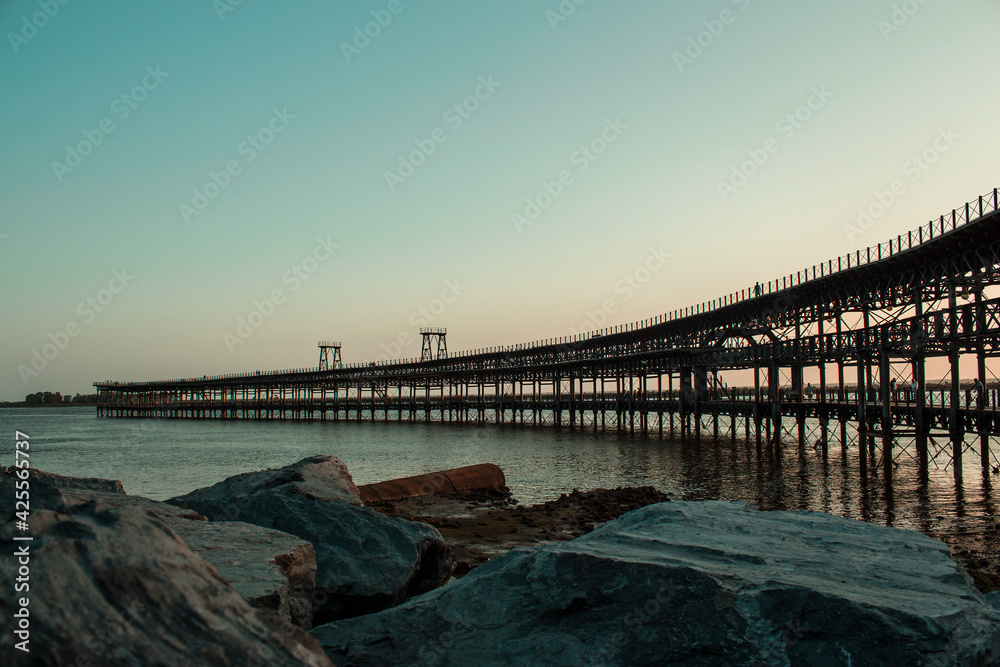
x,y
867,322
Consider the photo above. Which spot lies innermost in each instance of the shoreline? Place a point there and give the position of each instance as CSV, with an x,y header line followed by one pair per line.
x,y
47,405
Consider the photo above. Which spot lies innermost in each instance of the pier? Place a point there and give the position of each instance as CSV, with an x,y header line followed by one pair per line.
x,y
865,323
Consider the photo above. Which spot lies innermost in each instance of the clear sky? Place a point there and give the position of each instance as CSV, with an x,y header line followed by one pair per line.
x,y
353,170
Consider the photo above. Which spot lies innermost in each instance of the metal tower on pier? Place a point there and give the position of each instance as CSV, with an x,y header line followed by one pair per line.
x,y
325,361
442,345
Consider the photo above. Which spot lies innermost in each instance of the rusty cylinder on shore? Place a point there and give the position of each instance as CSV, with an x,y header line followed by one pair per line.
x,y
467,478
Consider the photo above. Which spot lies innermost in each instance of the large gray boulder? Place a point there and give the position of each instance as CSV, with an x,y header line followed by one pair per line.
x,y
115,586
64,483
268,568
169,514
695,583
366,561
317,477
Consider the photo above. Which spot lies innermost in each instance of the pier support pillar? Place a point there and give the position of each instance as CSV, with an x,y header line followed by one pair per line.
x,y
983,394
954,422
884,373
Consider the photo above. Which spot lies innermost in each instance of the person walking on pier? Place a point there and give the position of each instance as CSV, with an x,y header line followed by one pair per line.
x,y
809,391
756,289
978,388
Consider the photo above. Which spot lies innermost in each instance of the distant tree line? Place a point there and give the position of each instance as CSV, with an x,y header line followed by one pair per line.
x,y
56,398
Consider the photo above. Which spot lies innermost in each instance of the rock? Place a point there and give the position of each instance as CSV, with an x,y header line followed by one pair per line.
x,y
72,483
56,492
40,494
114,586
365,561
317,477
268,568
170,514
993,599
986,582
706,583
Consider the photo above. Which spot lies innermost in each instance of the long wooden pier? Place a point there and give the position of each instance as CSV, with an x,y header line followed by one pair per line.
x,y
866,323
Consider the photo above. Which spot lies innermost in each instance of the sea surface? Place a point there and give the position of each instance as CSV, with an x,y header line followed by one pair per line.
x,y
162,458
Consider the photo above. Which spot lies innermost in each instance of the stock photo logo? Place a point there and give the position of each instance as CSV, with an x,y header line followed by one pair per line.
x,y
364,34
786,127
698,43
87,310
582,159
35,22
454,117
121,108
625,288
249,149
264,308
562,13
899,17
913,168
223,7
423,316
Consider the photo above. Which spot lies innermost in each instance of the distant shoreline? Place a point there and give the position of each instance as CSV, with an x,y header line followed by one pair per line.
x,y
22,404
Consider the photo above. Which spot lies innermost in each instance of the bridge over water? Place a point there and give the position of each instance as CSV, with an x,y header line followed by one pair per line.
x,y
867,323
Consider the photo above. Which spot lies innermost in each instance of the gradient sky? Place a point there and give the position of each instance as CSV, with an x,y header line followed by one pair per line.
x,y
884,87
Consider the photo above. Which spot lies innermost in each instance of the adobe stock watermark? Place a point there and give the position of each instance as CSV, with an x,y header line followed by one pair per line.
x,y
248,149
633,623
436,650
698,43
294,277
363,35
424,316
626,288
780,652
899,17
913,169
87,311
454,116
223,7
785,127
562,12
581,159
131,442
48,9
122,107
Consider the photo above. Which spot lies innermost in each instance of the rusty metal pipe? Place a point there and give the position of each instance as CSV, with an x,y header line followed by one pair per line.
x,y
467,478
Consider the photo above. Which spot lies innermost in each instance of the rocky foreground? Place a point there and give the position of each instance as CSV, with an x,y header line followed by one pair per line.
x,y
112,584
695,583
237,573
365,561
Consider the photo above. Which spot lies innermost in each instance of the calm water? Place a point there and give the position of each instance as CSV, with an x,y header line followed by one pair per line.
x,y
163,458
